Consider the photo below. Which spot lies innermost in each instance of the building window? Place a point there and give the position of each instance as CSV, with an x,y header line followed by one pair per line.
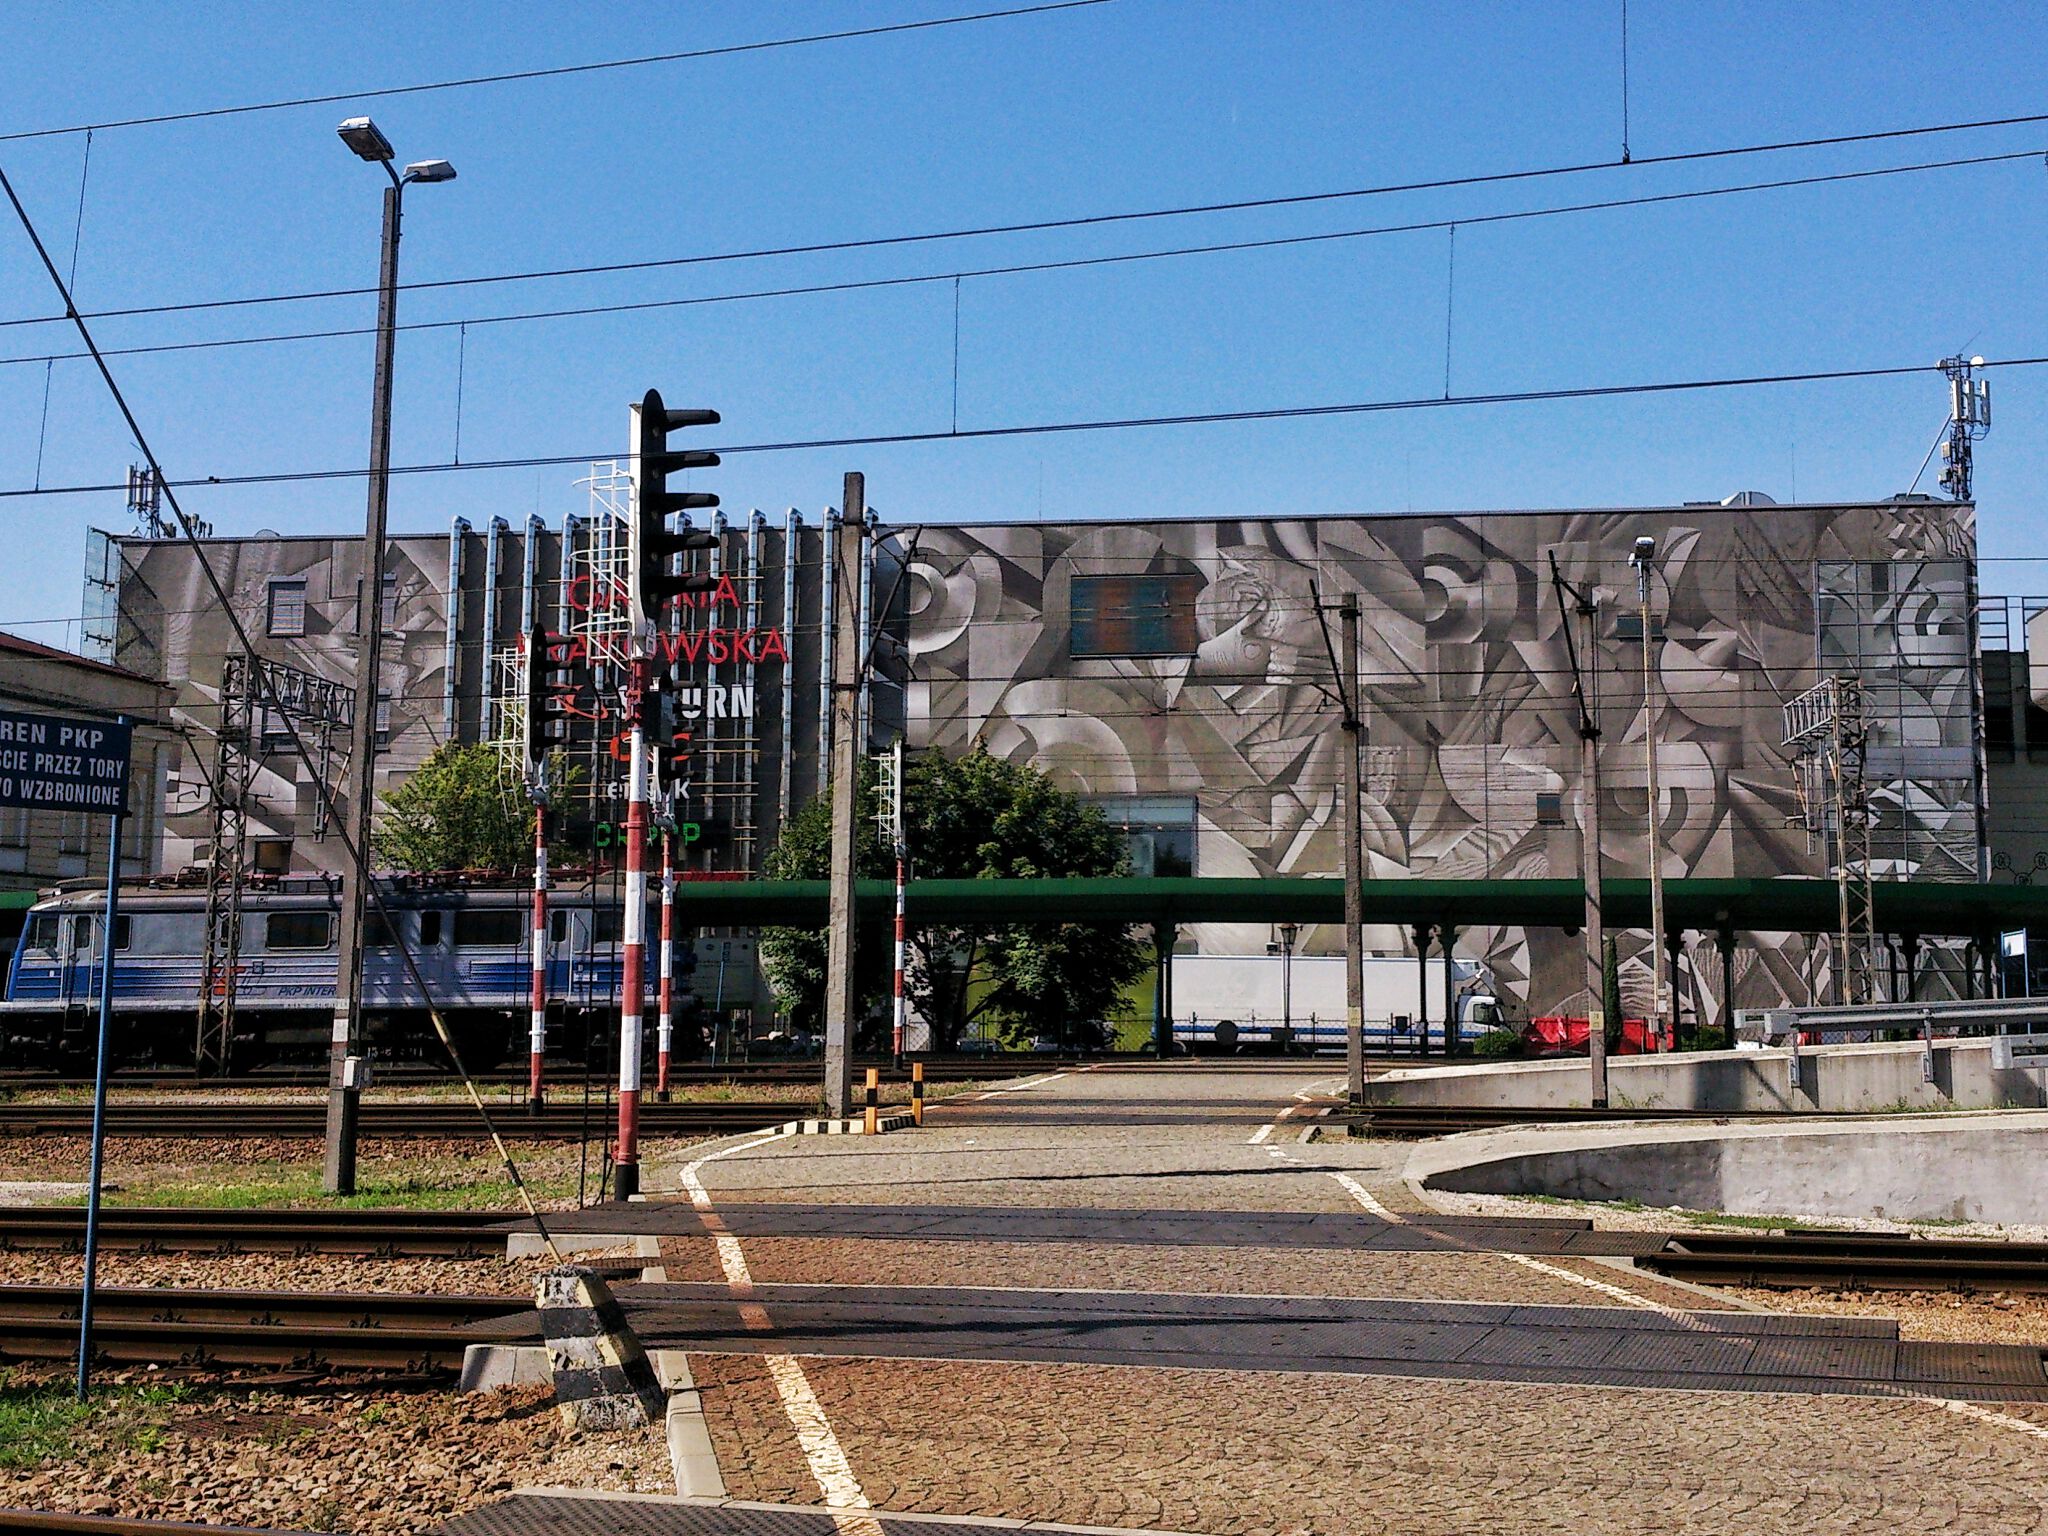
x,y
1549,808
1629,626
383,720
1133,615
1159,831
287,608
72,832
390,601
14,826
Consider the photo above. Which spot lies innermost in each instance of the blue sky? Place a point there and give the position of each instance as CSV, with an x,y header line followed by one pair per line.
x,y
1132,104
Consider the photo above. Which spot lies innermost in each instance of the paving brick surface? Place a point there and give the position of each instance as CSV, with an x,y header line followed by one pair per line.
x,y
1236,1453
1133,1267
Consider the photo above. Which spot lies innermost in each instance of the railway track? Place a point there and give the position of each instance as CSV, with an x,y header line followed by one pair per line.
x,y
153,1229
283,1330
453,1121
1450,1119
1858,1261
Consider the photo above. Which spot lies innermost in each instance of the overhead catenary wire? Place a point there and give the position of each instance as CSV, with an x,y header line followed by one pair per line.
x,y
1018,269
1098,424
358,857
549,72
1039,226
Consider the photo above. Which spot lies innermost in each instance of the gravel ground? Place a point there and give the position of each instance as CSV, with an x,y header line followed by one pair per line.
x,y
285,1272
1231,1453
368,1461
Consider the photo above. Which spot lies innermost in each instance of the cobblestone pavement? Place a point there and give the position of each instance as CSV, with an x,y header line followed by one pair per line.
x,y
1132,1267
1232,1453
1263,1452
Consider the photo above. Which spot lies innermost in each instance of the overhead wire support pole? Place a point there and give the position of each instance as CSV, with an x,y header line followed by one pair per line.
x,y
841,998
899,1007
1345,671
1586,604
108,945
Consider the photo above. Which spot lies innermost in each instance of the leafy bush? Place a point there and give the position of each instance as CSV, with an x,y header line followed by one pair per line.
x,y
1497,1043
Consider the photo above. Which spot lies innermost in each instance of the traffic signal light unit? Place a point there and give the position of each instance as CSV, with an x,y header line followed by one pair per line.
x,y
652,544
547,717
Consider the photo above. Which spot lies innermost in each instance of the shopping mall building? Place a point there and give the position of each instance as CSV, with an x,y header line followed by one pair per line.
x,y
1178,673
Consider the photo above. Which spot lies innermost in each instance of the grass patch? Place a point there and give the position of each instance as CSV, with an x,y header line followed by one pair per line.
x,y
436,1185
40,1421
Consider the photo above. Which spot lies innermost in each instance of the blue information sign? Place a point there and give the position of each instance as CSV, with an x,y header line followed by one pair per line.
x,y
48,762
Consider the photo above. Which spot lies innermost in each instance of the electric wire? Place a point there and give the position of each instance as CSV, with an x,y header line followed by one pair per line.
x,y
548,72
1070,264
1100,424
358,856
1080,221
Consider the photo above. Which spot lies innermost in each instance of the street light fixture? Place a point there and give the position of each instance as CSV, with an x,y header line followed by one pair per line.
x,y
1644,560
345,1070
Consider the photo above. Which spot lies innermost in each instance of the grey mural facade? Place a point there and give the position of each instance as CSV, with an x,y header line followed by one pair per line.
x,y
1176,672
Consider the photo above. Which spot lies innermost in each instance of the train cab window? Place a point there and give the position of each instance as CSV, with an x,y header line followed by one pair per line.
x,y
488,928
609,925
81,934
430,927
558,925
124,930
377,931
298,930
42,932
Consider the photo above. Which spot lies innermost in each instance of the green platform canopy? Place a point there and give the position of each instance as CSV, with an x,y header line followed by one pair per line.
x,y
1926,909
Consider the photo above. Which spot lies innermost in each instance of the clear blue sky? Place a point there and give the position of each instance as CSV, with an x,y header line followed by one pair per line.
x,y
1137,103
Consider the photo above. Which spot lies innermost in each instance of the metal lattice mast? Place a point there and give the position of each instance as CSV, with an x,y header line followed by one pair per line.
x,y
233,766
318,708
1827,732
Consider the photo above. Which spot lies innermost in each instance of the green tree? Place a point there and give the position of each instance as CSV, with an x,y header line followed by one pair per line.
x,y
462,810
971,818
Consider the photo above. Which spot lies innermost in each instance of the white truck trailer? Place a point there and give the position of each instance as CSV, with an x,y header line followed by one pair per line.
x,y
1230,1004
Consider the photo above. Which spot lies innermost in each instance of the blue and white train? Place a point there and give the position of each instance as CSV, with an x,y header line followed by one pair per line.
x,y
472,944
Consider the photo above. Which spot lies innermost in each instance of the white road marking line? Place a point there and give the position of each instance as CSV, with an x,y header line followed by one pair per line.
x,y
1261,1134
1036,1082
827,1458
1989,1416
822,1450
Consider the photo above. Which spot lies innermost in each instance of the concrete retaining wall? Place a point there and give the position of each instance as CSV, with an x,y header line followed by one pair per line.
x,y
1833,1079
1967,1168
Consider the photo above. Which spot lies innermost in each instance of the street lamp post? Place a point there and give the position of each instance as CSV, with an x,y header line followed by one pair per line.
x,y
344,1081
1644,559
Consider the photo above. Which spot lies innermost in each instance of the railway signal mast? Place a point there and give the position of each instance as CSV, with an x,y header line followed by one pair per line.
x,y
1828,734
652,584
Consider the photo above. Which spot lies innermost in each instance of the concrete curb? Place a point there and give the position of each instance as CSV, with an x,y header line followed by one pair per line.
x,y
855,1125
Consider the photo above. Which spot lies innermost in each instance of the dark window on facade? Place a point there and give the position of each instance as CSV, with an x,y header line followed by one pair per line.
x,y
1132,615
287,608
298,930
489,928
2037,733
1549,808
1999,739
383,720
1629,626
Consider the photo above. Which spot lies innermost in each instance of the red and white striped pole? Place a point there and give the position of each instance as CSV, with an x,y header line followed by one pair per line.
x,y
537,1028
666,1035
633,966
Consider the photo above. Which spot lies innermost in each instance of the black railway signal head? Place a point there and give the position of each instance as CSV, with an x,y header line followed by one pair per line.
x,y
653,544
547,717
